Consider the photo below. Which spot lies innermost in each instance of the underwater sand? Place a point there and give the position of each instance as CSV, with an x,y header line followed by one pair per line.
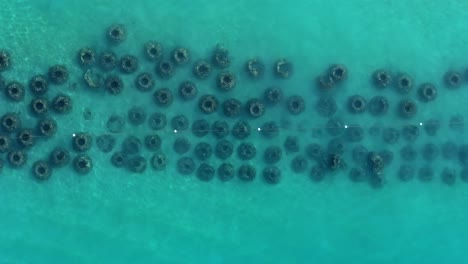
x,y
113,216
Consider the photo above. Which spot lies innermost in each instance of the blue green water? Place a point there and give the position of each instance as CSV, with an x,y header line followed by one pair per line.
x,y
113,216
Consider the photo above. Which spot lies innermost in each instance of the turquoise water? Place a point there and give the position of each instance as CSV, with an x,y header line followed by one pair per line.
x,y
111,215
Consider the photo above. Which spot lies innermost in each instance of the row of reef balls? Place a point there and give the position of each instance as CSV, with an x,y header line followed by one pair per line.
x,y
103,72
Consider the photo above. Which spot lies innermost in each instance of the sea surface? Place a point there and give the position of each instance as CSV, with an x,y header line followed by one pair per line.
x,y
114,216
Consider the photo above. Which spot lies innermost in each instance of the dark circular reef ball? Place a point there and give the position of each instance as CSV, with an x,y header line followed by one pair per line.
x,y
427,92
246,151
205,172
359,154
357,174
390,135
226,172
144,82
270,129
128,64
153,50
387,156
221,57
453,79
4,60
108,60
58,74
106,142
291,144
272,174
430,152
338,72
59,157
457,123
115,123
272,154
25,138
295,104
163,97
449,150
152,142
314,151
114,84
357,104
408,108
10,122
188,90
378,105
464,175
408,153
241,129
118,159
299,164
226,81
326,106
425,173
202,69
165,69
200,128
62,104
131,145
382,78
375,163
336,146
317,172
325,82
431,126
232,107
255,107
180,56
81,142
255,68
137,115
224,149
39,85
220,129
208,104
136,164
17,158
14,91
283,68
354,133
406,172
180,123
181,145
203,151
185,166
335,126
448,176
82,164
463,154
247,173
404,83
157,121
39,106
158,161
273,95
5,143
410,132
86,57
116,33
41,170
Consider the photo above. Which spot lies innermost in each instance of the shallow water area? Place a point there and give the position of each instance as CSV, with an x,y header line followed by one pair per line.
x,y
113,215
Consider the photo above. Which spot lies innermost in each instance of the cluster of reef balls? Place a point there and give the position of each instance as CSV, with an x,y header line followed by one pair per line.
x,y
224,139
